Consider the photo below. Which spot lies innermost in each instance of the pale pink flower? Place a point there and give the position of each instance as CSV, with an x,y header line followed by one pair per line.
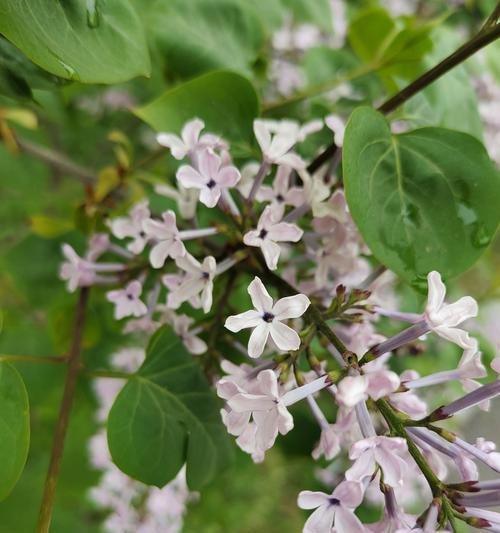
x,y
98,244
76,271
132,226
127,301
268,233
198,282
442,318
376,382
257,413
166,235
333,512
189,141
276,143
337,125
211,177
329,443
267,319
386,452
281,194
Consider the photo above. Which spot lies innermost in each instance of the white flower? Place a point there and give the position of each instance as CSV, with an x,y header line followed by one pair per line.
x,y
442,318
267,319
333,511
198,282
276,148
131,226
268,233
189,141
127,301
281,194
211,177
257,413
76,271
385,452
167,236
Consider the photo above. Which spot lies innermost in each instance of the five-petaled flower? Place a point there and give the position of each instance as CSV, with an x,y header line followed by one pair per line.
x,y
267,319
442,318
127,301
281,194
276,143
132,226
334,512
211,177
269,232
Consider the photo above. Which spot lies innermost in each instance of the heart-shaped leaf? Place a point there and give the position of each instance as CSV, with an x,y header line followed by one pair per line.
x,y
167,416
14,427
423,200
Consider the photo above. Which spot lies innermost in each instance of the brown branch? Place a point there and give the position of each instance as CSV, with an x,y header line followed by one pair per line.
x,y
47,504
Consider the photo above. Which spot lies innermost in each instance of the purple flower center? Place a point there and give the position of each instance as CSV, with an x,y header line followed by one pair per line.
x,y
280,198
263,233
205,275
130,297
211,184
267,317
334,501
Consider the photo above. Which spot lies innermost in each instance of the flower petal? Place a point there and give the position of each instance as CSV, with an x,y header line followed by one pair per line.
x,y
209,163
271,252
258,340
350,493
311,499
437,292
259,295
248,319
228,176
262,135
284,337
291,306
347,522
190,177
285,232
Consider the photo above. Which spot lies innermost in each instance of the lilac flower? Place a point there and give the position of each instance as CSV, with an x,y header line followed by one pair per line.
x,y
182,325
211,177
276,143
189,141
337,125
166,234
198,282
132,226
257,413
281,194
76,271
376,382
329,443
268,233
127,301
333,511
98,244
267,319
385,452
442,318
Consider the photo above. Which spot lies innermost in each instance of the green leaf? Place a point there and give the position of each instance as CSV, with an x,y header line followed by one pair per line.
x,y
166,416
317,12
226,101
14,427
201,35
86,40
395,46
424,200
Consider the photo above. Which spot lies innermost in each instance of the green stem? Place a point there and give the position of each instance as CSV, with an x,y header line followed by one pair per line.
x,y
49,491
315,90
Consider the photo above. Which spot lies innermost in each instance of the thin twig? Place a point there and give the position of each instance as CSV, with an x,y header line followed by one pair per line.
x,y
56,159
49,491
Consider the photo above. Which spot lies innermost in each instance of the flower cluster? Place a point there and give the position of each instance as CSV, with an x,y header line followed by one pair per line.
x,y
317,313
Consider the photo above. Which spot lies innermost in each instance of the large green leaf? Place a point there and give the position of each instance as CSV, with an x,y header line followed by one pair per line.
x,y
14,427
87,40
226,101
167,416
201,35
424,200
